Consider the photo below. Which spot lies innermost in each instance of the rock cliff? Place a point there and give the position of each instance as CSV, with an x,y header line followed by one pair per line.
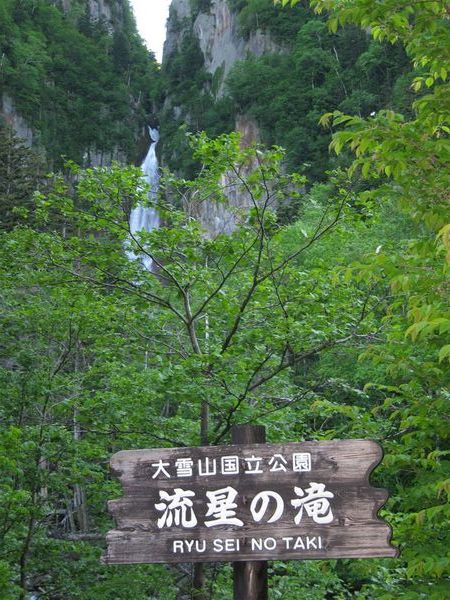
x,y
215,28
84,90
12,118
218,33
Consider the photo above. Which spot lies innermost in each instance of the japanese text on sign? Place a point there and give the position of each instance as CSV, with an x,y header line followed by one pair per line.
x,y
178,508
298,462
247,502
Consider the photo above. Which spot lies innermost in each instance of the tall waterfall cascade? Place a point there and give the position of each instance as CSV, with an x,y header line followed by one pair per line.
x,y
146,218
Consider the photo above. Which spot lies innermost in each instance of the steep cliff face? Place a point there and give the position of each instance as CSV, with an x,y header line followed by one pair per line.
x,y
222,218
97,9
204,41
281,68
14,120
219,36
75,78
100,9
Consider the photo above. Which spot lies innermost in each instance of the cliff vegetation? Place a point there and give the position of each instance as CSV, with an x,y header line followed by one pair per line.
x,y
323,314
85,83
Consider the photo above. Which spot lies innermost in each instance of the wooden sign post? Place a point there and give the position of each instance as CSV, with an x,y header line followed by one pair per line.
x,y
250,577
248,502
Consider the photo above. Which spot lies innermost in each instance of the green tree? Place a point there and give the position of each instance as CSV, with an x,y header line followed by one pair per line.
x,y
20,172
85,91
213,291
405,159
115,355
288,92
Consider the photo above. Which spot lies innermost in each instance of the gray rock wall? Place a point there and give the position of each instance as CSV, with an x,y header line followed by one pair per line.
x,y
100,9
221,43
111,12
222,218
179,22
218,34
14,120
222,46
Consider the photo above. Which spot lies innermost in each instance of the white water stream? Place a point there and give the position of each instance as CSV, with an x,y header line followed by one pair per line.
x,y
146,218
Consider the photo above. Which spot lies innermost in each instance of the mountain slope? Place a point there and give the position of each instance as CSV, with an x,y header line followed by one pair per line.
x,y
77,75
280,68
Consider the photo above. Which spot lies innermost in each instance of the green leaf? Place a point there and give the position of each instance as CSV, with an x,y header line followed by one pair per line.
x,y
444,353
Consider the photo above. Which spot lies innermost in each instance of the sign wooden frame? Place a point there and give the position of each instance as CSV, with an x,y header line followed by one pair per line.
x,y
339,508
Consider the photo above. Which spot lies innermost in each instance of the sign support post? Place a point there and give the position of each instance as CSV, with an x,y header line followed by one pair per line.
x,y
250,578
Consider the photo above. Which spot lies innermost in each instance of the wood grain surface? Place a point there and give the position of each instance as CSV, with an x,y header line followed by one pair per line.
x,y
343,466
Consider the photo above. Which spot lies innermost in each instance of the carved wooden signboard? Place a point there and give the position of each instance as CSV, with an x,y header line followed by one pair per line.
x,y
309,500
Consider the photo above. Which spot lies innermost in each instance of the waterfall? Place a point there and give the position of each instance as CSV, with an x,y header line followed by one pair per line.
x,y
146,218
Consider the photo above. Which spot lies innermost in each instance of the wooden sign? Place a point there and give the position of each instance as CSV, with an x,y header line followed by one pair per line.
x,y
309,500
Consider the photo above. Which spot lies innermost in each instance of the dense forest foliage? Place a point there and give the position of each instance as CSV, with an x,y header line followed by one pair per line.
x,y
318,71
193,105
314,71
84,85
331,323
